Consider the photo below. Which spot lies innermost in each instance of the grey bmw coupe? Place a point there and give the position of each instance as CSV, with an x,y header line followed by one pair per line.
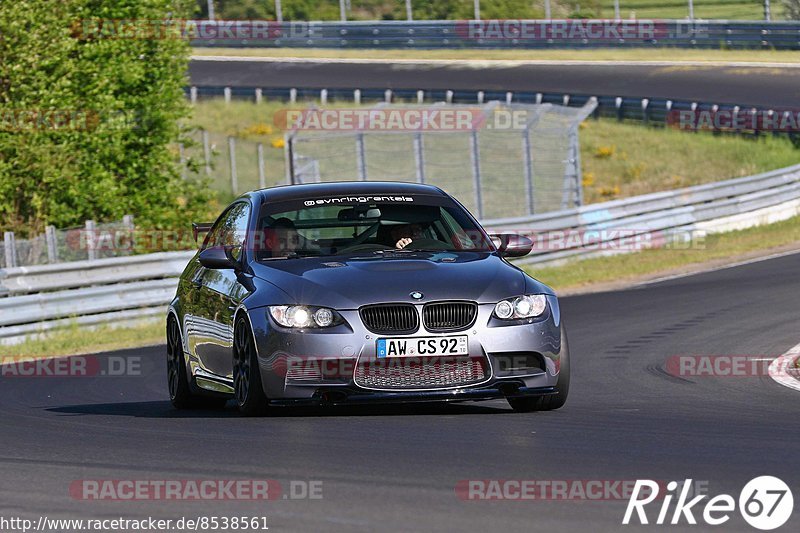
x,y
341,293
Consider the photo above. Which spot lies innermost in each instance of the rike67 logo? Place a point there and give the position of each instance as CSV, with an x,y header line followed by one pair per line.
x,y
765,503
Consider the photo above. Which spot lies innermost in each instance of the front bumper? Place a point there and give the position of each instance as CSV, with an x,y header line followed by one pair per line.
x,y
290,360
346,396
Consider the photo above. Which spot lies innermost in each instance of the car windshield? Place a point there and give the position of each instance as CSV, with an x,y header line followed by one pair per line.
x,y
307,228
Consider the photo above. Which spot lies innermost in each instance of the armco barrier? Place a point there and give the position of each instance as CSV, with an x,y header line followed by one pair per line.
x,y
497,34
127,289
653,111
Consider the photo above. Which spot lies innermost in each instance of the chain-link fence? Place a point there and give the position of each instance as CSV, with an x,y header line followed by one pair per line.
x,y
501,160
92,241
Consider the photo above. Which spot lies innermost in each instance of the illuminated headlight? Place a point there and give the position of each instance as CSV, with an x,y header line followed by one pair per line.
x,y
529,306
303,316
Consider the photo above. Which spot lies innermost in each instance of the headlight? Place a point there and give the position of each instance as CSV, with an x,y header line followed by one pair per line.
x,y
528,306
303,316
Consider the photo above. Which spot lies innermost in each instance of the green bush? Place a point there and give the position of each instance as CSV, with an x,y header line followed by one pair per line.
x,y
119,155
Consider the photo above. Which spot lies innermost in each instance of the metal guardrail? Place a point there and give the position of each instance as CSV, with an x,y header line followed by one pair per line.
x,y
653,111
665,217
497,34
128,289
116,290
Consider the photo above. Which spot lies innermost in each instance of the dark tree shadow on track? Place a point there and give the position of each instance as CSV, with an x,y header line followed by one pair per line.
x,y
163,409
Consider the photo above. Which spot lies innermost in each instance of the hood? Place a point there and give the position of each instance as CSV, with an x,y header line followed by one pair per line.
x,y
350,282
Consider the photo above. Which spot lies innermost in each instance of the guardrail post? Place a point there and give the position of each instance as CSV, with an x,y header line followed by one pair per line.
x,y
227,92
618,105
262,179
91,250
361,162
232,157
288,157
10,248
387,96
52,244
127,224
509,97
480,97
258,95
419,157
528,166
206,152
357,96
293,95
323,97
645,111
474,154
193,94
539,97
420,97
448,96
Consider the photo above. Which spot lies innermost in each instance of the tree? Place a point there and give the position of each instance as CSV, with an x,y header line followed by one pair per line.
x,y
89,117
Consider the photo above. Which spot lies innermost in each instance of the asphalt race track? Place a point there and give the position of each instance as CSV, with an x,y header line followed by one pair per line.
x,y
396,468
757,86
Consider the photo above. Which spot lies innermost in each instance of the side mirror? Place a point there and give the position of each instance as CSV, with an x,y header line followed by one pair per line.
x,y
200,228
512,245
219,258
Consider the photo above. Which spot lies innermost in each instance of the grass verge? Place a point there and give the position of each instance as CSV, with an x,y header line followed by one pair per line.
x,y
74,340
717,249
626,54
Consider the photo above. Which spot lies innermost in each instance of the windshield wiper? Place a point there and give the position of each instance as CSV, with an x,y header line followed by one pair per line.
x,y
293,255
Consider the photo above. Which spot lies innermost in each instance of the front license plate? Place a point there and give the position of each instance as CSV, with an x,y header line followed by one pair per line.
x,y
423,346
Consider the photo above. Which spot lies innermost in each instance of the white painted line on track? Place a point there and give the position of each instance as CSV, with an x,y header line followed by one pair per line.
x,y
779,369
484,63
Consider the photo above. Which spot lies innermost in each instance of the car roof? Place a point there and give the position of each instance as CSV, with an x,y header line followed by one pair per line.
x,y
306,190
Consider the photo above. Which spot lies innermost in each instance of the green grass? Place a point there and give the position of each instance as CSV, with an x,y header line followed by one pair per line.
x,y
624,54
74,340
678,9
622,160
370,10
722,246
619,159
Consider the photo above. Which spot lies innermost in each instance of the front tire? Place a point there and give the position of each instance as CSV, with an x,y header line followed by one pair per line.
x,y
248,391
180,392
551,401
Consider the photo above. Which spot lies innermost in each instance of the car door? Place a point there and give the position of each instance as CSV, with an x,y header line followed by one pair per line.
x,y
218,294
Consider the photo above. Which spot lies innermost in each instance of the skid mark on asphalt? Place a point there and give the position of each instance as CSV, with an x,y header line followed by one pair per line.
x,y
627,347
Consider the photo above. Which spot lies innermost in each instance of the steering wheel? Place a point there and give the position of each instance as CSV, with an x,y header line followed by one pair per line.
x,y
365,235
